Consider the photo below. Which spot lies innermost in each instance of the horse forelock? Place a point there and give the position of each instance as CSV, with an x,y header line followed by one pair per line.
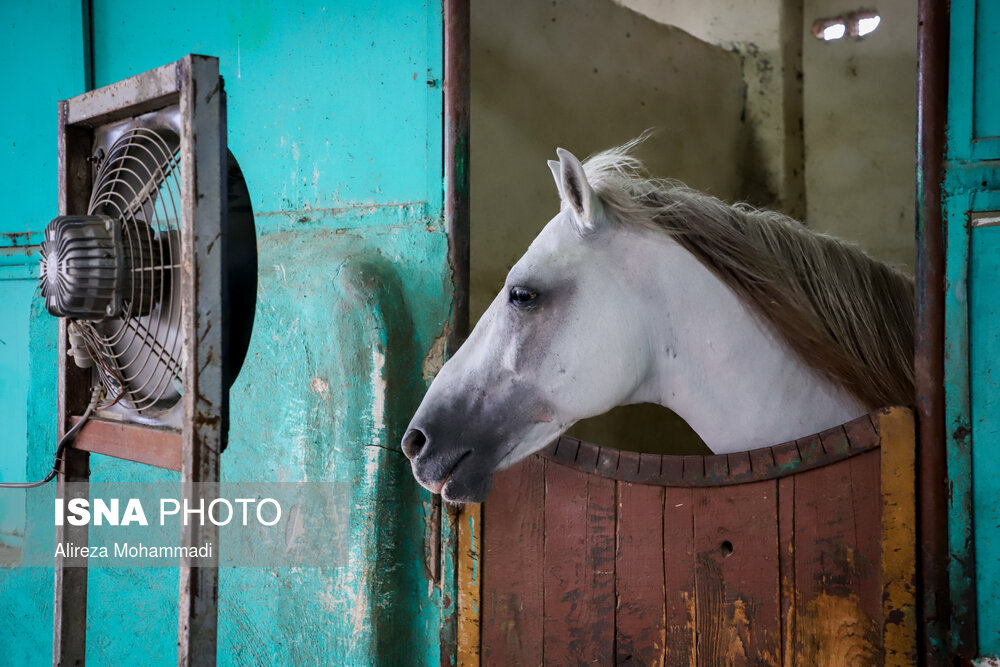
x,y
844,313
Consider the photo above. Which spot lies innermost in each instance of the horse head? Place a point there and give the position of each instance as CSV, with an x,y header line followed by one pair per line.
x,y
750,326
554,347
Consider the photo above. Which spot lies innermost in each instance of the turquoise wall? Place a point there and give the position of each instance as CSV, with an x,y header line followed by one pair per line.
x,y
334,113
972,325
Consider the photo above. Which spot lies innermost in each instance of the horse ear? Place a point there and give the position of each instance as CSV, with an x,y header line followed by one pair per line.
x,y
576,191
556,174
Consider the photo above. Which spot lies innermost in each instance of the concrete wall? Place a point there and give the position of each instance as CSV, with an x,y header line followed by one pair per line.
x,y
767,34
860,130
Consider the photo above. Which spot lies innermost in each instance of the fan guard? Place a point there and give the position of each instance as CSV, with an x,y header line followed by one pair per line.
x,y
113,270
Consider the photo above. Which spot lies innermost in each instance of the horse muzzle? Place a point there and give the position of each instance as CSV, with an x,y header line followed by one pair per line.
x,y
454,472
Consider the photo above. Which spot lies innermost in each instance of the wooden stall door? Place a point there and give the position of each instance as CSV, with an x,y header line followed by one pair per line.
x,y
810,564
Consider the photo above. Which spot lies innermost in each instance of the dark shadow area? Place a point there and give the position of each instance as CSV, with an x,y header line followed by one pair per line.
x,y
645,427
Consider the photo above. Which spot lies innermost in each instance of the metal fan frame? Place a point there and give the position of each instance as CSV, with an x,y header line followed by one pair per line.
x,y
194,87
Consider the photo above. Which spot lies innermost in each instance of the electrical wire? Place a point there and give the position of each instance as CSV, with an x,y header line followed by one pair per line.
x,y
67,438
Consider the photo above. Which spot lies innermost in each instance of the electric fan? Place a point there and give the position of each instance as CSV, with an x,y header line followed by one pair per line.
x,y
114,272
151,267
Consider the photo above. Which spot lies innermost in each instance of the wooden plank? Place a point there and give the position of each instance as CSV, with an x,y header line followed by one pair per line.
x,y
132,442
69,627
835,442
899,566
678,576
736,580
831,627
861,434
579,567
513,534
649,468
866,496
786,567
469,580
640,617
717,468
628,466
739,465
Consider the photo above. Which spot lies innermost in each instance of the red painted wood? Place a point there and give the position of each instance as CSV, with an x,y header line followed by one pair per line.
x,y
810,447
835,441
717,467
866,492
640,617
736,580
628,465
513,532
860,432
786,567
739,464
640,574
765,463
579,567
649,468
829,569
678,569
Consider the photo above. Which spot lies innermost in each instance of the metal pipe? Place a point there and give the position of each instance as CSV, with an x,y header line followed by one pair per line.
x,y
932,476
456,162
456,216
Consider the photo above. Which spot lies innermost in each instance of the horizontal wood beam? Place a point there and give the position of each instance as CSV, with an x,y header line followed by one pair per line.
x,y
142,444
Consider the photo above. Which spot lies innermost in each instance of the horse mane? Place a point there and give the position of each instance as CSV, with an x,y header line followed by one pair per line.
x,y
845,314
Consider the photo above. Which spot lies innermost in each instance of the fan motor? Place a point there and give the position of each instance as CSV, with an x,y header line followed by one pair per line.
x,y
89,268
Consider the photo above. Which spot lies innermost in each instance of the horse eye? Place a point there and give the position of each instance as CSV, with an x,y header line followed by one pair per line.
x,y
520,296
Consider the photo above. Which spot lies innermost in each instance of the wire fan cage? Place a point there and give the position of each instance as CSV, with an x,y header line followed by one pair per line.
x,y
138,353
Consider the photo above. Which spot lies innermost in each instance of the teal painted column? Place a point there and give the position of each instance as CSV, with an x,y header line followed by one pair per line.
x,y
972,323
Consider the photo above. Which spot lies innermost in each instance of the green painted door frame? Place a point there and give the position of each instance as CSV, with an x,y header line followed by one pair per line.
x,y
971,211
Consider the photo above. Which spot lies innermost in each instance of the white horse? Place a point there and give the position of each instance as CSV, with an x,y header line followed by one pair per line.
x,y
748,325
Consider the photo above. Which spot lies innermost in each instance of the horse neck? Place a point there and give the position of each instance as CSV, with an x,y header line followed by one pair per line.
x,y
728,373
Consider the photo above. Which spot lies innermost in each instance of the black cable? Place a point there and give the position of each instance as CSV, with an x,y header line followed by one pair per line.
x,y
63,443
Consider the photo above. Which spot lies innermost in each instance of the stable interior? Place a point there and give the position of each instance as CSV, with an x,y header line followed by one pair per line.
x,y
819,127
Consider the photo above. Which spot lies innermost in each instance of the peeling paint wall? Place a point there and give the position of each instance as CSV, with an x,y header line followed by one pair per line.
x,y
335,114
765,35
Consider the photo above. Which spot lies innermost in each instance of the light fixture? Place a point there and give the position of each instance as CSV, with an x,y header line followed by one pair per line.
x,y
854,24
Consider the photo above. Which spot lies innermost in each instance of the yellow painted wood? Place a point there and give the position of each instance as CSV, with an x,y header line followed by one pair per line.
x,y
469,585
899,539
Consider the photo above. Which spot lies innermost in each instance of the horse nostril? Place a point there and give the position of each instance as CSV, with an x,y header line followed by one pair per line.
x,y
413,442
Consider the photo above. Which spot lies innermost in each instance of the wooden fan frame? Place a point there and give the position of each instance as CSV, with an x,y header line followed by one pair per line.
x,y
194,86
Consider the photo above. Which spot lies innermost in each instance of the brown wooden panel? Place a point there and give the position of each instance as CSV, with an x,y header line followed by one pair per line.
x,y
831,626
143,444
786,567
736,580
513,534
640,617
772,462
579,567
860,432
678,572
866,496
802,584
835,441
